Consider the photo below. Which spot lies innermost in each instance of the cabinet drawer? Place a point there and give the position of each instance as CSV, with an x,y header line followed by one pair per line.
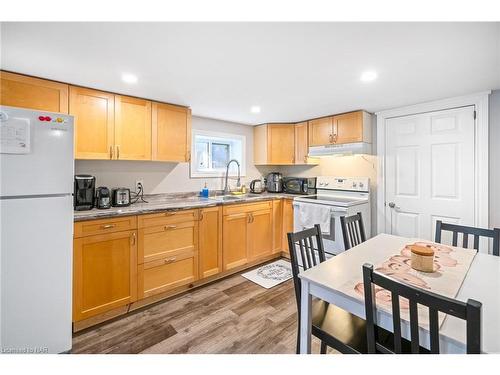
x,y
101,226
162,241
165,274
166,218
246,207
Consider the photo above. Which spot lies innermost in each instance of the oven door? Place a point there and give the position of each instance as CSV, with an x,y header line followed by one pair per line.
x,y
332,243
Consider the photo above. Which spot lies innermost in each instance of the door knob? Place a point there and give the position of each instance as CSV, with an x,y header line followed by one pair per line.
x,y
393,205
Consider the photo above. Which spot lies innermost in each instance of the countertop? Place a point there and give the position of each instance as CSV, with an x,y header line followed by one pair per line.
x,y
168,202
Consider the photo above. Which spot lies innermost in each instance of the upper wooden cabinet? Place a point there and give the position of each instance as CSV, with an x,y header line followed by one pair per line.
x,y
132,128
171,133
94,113
107,126
281,144
301,143
320,131
340,129
21,91
274,144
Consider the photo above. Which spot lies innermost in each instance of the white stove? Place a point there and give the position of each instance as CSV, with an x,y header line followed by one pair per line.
x,y
344,196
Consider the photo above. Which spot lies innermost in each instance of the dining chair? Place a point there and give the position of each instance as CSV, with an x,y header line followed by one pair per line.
x,y
465,231
335,327
469,311
353,230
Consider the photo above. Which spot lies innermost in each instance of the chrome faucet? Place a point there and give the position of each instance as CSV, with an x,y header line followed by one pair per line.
x,y
238,184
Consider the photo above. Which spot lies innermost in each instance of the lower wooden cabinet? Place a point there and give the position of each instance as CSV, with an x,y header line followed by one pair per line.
x,y
277,225
116,264
234,240
247,234
260,234
104,273
287,221
162,275
210,241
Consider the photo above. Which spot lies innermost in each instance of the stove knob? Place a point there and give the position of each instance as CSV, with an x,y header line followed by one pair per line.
x,y
321,183
354,184
326,183
361,184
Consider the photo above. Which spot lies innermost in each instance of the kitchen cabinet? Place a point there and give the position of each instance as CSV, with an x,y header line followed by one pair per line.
x,y
171,130
260,234
94,126
287,221
277,225
178,269
320,131
352,127
301,143
210,241
17,90
274,144
104,272
132,128
247,233
167,251
340,129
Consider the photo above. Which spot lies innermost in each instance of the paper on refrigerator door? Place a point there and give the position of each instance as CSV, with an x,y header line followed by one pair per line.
x,y
15,136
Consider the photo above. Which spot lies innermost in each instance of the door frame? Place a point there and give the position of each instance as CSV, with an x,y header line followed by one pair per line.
x,y
481,151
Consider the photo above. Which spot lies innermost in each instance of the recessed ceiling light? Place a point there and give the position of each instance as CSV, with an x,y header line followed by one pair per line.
x,y
129,78
255,109
368,76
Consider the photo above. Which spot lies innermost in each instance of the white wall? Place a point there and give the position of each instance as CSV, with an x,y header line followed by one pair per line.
x,y
161,177
494,118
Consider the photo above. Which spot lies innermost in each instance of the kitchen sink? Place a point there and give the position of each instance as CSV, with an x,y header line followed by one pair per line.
x,y
228,197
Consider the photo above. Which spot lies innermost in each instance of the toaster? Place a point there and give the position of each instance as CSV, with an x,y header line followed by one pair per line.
x,y
120,197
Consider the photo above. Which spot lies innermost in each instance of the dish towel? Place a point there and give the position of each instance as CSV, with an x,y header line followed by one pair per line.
x,y
310,214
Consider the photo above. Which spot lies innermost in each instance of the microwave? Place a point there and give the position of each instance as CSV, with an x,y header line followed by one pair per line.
x,y
299,185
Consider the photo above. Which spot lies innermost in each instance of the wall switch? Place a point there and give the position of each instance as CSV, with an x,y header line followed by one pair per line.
x,y
138,184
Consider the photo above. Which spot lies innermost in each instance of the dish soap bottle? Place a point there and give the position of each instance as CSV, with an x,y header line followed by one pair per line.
x,y
204,191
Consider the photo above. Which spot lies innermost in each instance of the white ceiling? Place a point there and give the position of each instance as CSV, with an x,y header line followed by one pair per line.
x,y
294,71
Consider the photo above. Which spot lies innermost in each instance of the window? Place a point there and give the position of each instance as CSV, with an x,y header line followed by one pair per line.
x,y
212,151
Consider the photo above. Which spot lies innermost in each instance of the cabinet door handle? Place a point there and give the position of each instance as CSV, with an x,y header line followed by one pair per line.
x,y
330,138
201,215
133,238
169,213
111,152
249,218
169,260
168,227
118,152
108,226
335,137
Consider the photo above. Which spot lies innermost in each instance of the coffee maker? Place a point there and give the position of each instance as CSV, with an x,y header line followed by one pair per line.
x,y
274,182
84,193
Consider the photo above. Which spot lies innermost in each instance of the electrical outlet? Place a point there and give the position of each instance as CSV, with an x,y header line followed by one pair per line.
x,y
138,184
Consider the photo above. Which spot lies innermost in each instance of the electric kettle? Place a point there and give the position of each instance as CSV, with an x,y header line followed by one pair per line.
x,y
257,186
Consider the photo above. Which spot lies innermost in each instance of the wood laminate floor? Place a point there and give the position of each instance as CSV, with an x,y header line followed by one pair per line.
x,y
233,315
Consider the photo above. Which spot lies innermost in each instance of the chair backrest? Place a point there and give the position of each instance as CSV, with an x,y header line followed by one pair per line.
x,y
353,230
470,312
305,245
465,231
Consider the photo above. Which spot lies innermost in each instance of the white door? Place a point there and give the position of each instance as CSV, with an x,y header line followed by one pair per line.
x,y
429,171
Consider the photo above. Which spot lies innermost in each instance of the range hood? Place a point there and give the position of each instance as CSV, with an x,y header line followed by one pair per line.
x,y
343,149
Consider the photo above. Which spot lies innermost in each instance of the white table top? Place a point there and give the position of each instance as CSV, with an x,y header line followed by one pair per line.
x,y
481,283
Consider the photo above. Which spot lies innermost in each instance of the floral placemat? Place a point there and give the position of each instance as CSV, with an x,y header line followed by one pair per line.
x,y
451,265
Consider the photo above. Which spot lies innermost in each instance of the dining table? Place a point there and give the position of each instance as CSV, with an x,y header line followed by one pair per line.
x,y
327,280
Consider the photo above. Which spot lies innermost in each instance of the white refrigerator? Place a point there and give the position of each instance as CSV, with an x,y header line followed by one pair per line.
x,y
36,220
